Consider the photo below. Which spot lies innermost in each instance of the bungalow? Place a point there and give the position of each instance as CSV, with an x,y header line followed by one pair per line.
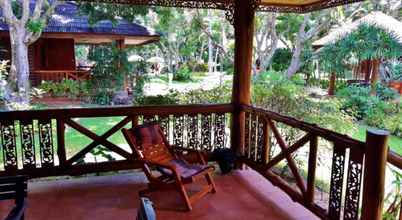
x,y
52,57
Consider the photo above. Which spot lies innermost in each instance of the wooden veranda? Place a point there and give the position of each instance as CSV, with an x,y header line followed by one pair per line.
x,y
251,132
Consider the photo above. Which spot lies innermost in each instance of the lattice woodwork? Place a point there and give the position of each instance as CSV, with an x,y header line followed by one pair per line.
x,y
224,4
253,137
219,131
9,145
27,143
260,139
192,132
206,132
46,143
178,131
336,187
247,135
164,123
353,185
305,9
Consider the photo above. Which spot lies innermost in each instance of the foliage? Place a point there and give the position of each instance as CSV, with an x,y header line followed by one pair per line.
x,y
65,88
366,43
273,91
220,94
357,99
376,111
197,66
111,68
102,11
183,74
281,59
3,82
394,197
102,96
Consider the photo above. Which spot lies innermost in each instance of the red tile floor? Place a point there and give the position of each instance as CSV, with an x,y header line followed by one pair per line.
x,y
242,195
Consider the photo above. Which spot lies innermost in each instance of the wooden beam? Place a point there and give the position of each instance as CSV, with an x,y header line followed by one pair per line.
x,y
244,31
312,165
374,174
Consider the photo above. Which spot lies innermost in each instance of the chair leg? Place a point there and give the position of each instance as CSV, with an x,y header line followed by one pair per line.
x,y
210,182
183,193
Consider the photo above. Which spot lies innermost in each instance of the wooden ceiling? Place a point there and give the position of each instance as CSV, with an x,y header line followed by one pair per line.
x,y
297,6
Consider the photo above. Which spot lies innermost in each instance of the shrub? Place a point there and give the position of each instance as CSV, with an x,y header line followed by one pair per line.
x,y
220,94
197,66
169,99
272,90
358,99
183,74
65,88
103,96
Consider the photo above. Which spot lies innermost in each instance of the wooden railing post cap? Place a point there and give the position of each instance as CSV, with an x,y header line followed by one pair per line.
x,y
377,132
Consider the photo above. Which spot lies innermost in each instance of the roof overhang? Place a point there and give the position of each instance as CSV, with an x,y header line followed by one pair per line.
x,y
297,6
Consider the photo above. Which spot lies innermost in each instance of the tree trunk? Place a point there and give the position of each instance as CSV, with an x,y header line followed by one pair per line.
x,y
374,75
295,63
298,47
331,88
19,70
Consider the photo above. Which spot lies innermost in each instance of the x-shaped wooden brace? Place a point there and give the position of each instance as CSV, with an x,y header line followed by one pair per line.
x,y
98,139
286,154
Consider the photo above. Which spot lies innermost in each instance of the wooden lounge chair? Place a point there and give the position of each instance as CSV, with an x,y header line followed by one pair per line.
x,y
14,188
154,151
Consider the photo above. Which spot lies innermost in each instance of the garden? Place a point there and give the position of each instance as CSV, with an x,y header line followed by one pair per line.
x,y
345,83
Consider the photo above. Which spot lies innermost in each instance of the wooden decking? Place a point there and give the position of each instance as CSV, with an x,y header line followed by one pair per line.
x,y
241,195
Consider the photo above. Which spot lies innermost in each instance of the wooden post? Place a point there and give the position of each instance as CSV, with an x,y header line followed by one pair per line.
x,y
121,46
267,142
61,148
312,164
374,174
244,31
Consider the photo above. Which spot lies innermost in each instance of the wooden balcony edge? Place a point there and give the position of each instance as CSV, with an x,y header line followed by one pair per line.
x,y
117,111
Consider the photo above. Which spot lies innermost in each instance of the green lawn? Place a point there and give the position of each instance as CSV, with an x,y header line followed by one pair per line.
x,y
75,141
395,143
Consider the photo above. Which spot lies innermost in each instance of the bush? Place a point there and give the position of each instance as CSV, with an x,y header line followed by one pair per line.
x,y
220,94
170,99
197,66
65,88
357,99
103,96
183,74
272,90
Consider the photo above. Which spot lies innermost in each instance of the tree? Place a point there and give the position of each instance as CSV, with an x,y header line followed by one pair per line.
x,y
308,28
25,28
368,42
266,38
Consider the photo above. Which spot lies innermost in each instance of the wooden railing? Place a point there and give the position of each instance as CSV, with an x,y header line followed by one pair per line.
x,y
38,76
271,139
26,134
35,143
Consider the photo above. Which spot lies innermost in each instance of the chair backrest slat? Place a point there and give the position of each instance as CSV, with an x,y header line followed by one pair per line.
x,y
149,142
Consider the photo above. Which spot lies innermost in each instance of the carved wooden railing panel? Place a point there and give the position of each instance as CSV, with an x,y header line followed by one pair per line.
x,y
34,142
265,131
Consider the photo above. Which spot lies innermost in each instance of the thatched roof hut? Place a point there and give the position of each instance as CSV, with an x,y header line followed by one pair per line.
x,y
376,18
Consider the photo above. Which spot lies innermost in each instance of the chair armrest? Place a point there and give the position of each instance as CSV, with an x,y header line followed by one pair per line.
x,y
200,157
166,166
17,212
